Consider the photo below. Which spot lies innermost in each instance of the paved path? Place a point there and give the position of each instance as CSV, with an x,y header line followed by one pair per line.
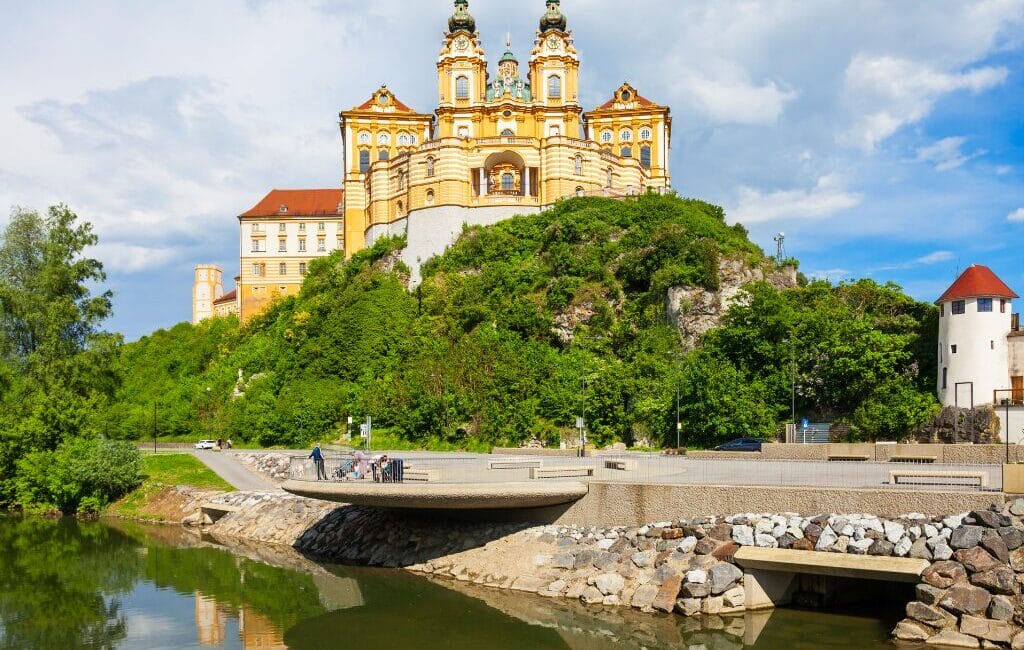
x,y
226,466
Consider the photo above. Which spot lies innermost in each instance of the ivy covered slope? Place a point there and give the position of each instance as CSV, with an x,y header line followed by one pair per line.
x,y
496,343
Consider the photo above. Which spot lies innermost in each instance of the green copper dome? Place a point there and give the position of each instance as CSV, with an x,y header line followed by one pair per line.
x,y
553,19
461,19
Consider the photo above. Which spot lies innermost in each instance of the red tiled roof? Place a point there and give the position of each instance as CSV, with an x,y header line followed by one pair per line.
x,y
230,296
298,202
977,281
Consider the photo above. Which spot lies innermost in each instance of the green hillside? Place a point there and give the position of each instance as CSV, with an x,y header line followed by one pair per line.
x,y
496,343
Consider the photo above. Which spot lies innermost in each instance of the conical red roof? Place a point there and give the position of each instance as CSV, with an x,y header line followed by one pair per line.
x,y
977,282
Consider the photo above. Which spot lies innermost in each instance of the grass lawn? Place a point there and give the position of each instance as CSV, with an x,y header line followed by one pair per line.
x,y
160,471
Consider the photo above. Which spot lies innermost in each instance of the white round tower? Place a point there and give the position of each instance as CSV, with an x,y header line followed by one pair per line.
x,y
207,287
974,321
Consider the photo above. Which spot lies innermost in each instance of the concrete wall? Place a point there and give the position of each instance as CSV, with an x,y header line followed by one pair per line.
x,y
432,230
632,504
944,454
515,451
1016,424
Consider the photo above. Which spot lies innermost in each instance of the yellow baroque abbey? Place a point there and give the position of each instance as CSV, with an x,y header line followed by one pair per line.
x,y
493,148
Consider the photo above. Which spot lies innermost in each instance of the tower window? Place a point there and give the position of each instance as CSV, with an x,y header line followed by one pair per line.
x,y
400,208
383,139
383,155
984,305
578,163
945,378
507,182
625,135
942,310
430,167
403,140
401,181
580,191
364,138
1002,305
645,134
952,349
626,152
462,87
554,86
645,157
959,307
430,197
606,136
364,161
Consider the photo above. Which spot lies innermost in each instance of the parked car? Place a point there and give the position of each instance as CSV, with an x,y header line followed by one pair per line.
x,y
206,444
740,444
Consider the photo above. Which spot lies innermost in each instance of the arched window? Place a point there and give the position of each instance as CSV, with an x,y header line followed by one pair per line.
x,y
626,152
606,136
383,155
625,135
645,157
508,182
645,134
430,166
383,139
554,86
430,197
400,208
364,161
403,140
462,87
609,179
579,191
508,133
364,138
578,163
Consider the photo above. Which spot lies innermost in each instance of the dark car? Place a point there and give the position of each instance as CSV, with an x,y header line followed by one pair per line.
x,y
740,444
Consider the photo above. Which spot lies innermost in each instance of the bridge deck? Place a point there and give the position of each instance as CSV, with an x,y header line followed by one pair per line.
x,y
845,565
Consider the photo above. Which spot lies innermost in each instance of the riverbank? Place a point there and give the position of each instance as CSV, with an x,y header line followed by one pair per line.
x,y
970,593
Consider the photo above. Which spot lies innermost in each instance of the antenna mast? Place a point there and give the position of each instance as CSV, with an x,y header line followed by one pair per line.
x,y
780,247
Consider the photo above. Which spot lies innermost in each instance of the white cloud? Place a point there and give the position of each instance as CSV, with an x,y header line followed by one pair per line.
x,y
890,92
125,258
946,154
827,197
733,99
829,274
937,257
1016,216
1003,170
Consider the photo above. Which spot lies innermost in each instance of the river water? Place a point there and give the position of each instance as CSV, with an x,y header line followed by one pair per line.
x,y
68,584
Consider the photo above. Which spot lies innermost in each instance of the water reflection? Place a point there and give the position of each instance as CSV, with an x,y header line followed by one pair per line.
x,y
119,585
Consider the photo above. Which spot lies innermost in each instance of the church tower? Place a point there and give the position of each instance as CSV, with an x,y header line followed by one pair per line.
x,y
554,74
461,77
207,286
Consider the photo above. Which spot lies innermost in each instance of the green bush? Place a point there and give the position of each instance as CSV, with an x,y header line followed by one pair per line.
x,y
81,474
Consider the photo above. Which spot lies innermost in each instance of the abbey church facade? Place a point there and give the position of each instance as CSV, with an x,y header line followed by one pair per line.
x,y
495,146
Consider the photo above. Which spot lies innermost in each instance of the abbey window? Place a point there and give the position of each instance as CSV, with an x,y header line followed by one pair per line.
x,y
462,87
554,87
626,152
578,164
645,157
430,167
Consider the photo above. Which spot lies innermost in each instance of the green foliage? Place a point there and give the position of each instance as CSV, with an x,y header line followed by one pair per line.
x,y
81,474
518,329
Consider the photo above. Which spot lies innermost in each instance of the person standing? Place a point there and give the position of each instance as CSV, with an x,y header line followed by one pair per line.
x,y
318,460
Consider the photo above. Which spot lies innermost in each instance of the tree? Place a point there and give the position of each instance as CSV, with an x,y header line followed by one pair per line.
x,y
49,318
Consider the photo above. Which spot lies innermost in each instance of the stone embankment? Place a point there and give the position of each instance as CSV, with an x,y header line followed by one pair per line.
x,y
274,466
969,597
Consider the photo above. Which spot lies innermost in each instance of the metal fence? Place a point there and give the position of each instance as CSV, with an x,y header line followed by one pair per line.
x,y
665,469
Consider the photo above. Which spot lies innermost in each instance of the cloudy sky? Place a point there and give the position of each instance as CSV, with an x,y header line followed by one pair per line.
x,y
886,139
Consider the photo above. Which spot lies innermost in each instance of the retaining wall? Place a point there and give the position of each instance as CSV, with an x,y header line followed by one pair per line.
x,y
944,454
633,504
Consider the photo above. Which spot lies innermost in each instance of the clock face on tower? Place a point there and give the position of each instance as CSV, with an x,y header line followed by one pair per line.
x,y
461,43
553,42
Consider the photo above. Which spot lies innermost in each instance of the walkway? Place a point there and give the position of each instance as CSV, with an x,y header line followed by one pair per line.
x,y
226,466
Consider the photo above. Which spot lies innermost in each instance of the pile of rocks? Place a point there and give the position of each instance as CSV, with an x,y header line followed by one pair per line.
x,y
973,599
274,466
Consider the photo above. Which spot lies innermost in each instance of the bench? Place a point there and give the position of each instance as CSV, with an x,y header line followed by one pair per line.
x,y
849,457
424,474
560,472
525,463
626,465
937,478
909,458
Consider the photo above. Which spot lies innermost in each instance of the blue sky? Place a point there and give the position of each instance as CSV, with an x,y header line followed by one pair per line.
x,y
885,139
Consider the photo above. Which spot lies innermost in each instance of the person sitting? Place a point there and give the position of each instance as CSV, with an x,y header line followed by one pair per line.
x,y
385,469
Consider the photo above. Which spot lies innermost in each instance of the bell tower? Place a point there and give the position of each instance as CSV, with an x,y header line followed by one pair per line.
x,y
554,73
461,76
